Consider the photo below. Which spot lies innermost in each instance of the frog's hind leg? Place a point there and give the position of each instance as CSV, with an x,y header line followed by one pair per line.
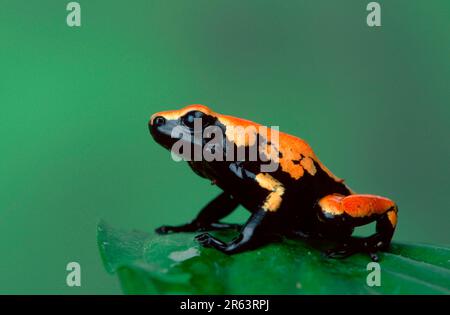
x,y
356,210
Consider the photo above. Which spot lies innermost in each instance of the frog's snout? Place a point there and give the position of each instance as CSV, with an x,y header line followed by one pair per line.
x,y
161,130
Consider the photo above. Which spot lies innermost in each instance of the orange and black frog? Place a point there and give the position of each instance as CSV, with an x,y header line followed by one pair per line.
x,y
277,177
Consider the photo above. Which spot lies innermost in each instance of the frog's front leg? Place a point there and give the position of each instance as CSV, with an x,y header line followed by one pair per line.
x,y
261,226
254,233
208,218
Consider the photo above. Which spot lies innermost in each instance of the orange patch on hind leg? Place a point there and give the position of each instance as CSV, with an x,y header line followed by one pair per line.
x,y
366,205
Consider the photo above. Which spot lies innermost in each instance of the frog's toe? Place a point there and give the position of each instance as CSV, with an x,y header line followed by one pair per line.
x,y
204,239
165,229
341,251
374,257
352,248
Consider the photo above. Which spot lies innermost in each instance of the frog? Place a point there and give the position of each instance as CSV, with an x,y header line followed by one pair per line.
x,y
299,198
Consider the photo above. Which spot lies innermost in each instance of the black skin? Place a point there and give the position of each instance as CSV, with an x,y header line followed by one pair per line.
x,y
298,215
208,218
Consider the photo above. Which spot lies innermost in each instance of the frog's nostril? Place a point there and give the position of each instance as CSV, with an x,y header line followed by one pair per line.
x,y
158,121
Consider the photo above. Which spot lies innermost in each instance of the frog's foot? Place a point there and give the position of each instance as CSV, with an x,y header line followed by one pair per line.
x,y
207,240
298,234
347,250
195,227
369,245
165,229
342,251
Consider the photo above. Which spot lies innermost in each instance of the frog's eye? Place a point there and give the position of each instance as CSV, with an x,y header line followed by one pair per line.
x,y
189,119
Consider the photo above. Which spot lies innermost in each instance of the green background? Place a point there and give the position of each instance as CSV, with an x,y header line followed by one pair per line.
x,y
74,106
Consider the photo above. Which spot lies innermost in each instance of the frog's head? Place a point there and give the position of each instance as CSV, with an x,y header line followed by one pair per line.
x,y
168,127
196,133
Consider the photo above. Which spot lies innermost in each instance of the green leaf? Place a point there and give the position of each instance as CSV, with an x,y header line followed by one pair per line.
x,y
174,264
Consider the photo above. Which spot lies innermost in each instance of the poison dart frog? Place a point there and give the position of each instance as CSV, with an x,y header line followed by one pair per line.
x,y
300,198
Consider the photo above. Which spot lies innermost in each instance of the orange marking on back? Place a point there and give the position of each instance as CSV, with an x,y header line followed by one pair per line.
x,y
242,132
308,165
293,148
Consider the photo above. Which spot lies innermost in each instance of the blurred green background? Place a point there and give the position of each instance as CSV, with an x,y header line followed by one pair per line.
x,y
74,106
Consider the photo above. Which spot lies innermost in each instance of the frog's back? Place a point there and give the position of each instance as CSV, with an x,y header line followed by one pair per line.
x,y
297,159
298,166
